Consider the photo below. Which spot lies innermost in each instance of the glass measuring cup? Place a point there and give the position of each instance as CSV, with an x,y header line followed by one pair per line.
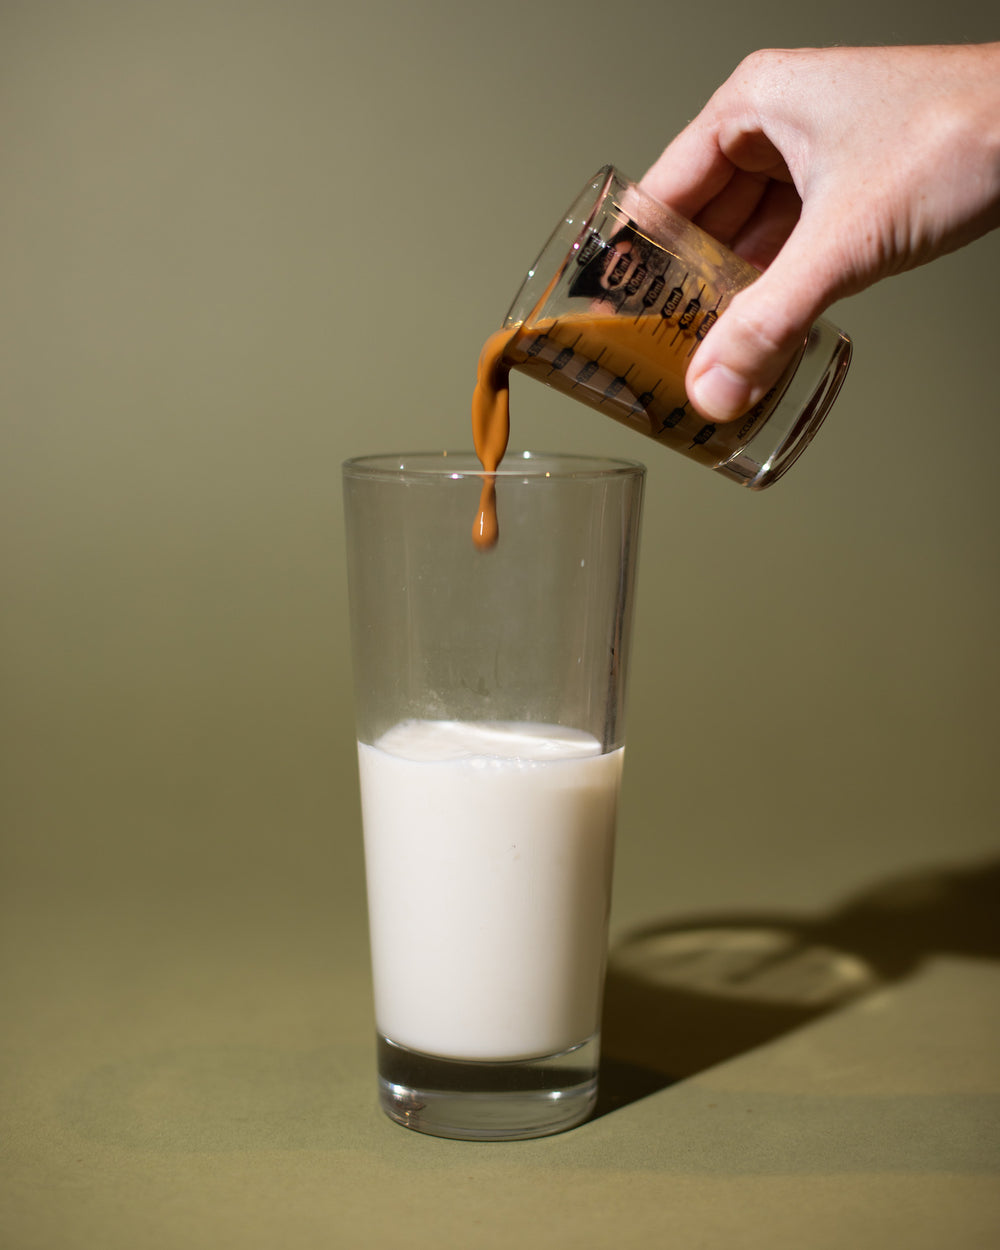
x,y
614,308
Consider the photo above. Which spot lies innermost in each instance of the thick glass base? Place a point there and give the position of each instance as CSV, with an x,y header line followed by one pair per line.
x,y
798,413
481,1101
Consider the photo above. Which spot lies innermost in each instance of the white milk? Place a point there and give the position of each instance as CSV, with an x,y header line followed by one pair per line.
x,y
488,849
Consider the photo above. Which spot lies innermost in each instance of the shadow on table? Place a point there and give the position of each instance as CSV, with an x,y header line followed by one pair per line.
x,y
683,996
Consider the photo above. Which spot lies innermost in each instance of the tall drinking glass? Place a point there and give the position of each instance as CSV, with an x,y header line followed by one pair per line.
x,y
490,696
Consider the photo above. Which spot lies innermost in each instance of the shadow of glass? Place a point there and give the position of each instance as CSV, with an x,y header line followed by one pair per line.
x,y
682,996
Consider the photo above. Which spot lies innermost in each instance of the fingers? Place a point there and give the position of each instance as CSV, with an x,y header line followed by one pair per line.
x,y
690,173
724,154
727,214
756,214
760,332
723,173
748,349
894,153
764,232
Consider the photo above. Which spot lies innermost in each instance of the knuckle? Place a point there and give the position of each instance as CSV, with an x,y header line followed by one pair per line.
x,y
762,64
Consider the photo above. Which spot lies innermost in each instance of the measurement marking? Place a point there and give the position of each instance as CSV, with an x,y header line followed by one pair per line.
x,y
673,419
703,435
588,370
643,401
536,345
616,385
655,290
706,323
571,348
561,361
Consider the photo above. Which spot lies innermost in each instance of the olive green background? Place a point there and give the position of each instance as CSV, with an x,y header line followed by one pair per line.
x,y
240,242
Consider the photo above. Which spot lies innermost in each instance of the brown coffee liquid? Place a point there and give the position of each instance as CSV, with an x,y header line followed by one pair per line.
x,y
630,368
491,428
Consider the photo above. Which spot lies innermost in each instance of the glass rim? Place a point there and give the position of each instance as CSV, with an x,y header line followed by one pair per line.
x,y
580,214
396,466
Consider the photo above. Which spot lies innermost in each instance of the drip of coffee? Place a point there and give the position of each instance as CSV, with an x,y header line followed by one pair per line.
x,y
491,429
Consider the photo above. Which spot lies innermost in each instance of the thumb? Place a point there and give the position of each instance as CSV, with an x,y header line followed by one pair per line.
x,y
759,333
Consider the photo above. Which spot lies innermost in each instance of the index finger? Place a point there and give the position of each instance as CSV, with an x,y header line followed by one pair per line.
x,y
691,171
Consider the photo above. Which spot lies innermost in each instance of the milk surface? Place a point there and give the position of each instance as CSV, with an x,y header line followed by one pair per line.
x,y
488,851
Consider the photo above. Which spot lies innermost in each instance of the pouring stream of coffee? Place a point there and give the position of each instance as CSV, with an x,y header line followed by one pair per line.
x,y
491,417
491,429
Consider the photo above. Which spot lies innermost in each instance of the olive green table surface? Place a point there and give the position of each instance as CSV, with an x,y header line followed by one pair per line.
x,y
190,1064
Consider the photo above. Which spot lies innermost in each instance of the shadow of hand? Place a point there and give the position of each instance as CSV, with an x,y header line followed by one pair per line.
x,y
683,996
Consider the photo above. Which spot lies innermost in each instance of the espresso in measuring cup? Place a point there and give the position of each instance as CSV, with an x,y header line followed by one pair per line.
x,y
611,314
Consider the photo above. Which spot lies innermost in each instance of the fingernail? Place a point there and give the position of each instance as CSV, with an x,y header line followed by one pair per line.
x,y
720,393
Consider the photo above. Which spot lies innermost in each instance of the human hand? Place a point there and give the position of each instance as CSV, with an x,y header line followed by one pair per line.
x,y
829,169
